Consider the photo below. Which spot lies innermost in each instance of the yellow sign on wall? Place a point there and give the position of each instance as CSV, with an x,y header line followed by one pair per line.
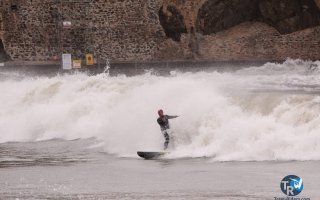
x,y
89,59
76,64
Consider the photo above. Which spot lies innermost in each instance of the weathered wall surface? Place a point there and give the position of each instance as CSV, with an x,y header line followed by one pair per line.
x,y
246,30
152,30
257,40
1,27
127,30
1,23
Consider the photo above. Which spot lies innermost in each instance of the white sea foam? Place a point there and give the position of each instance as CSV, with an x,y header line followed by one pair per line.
x,y
269,112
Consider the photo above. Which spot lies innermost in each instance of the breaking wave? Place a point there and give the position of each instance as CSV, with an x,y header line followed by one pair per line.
x,y
268,112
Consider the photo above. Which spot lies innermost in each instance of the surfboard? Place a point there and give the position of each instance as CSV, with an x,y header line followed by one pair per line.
x,y
151,155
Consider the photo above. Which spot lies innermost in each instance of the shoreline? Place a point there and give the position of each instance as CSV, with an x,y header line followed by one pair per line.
x,y
164,68
132,63
52,68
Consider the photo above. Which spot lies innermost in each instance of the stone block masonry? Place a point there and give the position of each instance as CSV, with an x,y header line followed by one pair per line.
x,y
157,30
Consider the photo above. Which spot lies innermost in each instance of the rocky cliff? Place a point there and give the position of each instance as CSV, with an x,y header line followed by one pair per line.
x,y
155,30
285,16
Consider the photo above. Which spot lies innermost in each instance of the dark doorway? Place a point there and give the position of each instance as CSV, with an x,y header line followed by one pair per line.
x,y
3,55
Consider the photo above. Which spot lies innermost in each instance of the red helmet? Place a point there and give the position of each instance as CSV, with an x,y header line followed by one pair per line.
x,y
160,112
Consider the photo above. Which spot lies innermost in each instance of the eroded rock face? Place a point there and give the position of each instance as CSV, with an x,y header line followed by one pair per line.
x,y
286,16
172,22
218,15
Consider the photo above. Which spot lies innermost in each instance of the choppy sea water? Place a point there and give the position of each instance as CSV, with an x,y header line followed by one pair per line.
x,y
80,169
240,131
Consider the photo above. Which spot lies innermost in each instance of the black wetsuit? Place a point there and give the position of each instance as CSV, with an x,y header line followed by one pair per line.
x,y
164,125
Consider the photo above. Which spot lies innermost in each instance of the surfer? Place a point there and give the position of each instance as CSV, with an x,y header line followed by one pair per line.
x,y
163,121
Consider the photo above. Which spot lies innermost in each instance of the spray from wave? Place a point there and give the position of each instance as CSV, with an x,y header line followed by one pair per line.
x,y
269,112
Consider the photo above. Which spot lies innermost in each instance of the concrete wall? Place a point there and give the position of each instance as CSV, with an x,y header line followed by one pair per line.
x,y
130,30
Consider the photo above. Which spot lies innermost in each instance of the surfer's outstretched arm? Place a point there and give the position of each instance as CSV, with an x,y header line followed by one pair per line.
x,y
172,117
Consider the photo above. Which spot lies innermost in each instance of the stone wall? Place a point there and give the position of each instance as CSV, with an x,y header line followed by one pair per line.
x,y
155,30
1,21
118,30
1,27
127,30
